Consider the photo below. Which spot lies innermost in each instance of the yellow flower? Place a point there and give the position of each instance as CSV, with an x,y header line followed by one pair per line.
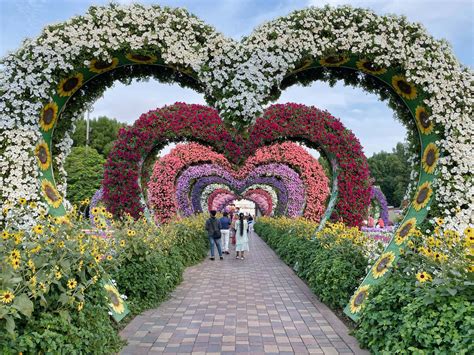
x,y
50,194
15,254
43,155
49,115
103,210
80,306
31,265
38,229
141,59
116,302
131,233
109,257
15,263
95,210
32,204
423,277
42,286
383,264
370,68
403,87
99,66
122,243
7,297
5,235
333,61
58,275
70,85
22,201
430,157
33,281
469,232
357,300
422,118
98,258
423,196
71,284
405,230
61,244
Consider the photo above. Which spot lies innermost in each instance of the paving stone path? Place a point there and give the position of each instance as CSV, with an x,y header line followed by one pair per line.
x,y
257,305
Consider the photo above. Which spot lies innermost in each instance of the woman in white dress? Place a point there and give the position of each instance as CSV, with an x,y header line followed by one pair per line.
x,y
241,235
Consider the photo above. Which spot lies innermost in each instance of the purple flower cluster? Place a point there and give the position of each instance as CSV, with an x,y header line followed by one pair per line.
x,y
378,195
276,175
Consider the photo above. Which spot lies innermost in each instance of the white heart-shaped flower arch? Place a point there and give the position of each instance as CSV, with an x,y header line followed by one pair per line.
x,y
43,79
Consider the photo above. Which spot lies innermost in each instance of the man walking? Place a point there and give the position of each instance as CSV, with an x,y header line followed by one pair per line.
x,y
224,225
214,234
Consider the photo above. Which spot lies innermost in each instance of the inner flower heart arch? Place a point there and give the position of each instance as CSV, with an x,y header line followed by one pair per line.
x,y
203,124
162,181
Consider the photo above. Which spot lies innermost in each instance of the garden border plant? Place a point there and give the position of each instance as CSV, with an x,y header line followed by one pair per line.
x,y
39,80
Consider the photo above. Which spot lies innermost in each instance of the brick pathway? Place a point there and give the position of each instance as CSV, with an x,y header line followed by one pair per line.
x,y
257,305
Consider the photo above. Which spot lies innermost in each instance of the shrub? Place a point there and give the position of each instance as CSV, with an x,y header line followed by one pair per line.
x,y
403,315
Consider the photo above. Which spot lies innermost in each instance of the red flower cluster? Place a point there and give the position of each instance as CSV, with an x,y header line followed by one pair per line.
x,y
182,122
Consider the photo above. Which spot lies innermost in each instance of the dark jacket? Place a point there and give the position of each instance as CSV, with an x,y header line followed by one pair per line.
x,y
212,225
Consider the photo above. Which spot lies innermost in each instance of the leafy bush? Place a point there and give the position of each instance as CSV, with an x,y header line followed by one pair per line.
x,y
152,260
85,169
332,264
403,315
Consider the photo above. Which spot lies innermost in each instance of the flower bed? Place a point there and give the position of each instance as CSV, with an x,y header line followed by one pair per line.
x,y
52,299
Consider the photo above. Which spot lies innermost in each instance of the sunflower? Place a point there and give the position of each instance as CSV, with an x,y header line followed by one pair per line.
x,y
100,66
122,243
370,68
49,115
95,210
383,264
109,257
22,201
7,297
422,117
141,58
5,235
423,196
15,263
403,87
50,194
358,298
115,299
334,61
80,306
423,277
43,155
469,232
98,258
430,158
69,86
131,233
71,284
406,228
15,254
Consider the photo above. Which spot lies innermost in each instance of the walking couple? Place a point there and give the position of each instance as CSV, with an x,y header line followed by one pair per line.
x,y
218,229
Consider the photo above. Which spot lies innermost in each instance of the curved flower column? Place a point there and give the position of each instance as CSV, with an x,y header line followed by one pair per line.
x,y
266,189
377,195
263,200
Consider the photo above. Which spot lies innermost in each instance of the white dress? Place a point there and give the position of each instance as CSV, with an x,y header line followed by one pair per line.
x,y
242,240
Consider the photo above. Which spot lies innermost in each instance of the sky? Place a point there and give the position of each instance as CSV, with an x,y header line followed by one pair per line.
x,y
371,120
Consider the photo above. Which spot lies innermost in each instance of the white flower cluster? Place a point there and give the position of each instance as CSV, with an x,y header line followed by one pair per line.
x,y
239,78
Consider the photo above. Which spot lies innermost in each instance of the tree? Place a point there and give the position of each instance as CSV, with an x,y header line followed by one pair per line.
x,y
85,169
391,172
102,134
